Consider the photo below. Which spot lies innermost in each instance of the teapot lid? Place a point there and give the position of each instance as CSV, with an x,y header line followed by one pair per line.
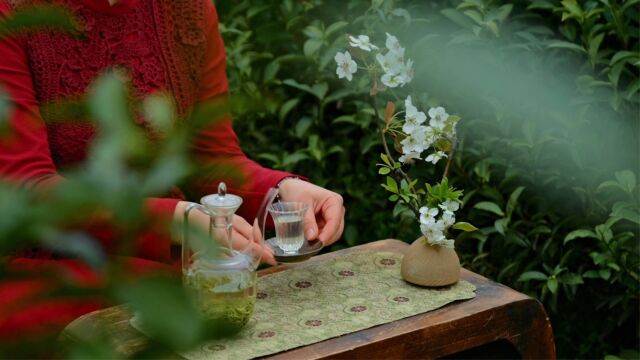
x,y
221,199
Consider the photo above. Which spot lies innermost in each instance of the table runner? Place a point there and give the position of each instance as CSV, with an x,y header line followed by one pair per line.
x,y
315,302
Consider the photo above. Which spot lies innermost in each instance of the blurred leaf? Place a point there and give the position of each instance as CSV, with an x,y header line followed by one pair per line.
x,y
559,44
513,200
552,284
287,107
580,233
490,207
457,17
464,226
532,275
173,320
51,17
75,245
627,180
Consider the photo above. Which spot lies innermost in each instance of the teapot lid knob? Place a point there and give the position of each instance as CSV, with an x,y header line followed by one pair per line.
x,y
222,189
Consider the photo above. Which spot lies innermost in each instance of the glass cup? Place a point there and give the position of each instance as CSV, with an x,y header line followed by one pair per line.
x,y
288,218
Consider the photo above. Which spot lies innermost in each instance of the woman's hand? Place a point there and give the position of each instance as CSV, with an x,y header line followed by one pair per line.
x,y
242,234
325,218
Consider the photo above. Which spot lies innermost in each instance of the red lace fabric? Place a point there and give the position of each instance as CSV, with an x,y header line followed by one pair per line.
x,y
64,66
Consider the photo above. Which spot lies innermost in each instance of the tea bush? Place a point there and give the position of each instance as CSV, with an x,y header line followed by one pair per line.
x,y
548,92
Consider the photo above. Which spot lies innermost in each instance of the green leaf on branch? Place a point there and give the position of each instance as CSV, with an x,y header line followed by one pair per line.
x,y
384,170
464,226
513,200
559,44
318,90
385,159
571,279
552,284
532,275
580,233
489,207
391,185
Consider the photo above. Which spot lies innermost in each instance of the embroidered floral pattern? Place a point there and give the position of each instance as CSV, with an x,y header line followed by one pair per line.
x,y
267,334
387,262
401,299
359,308
215,347
303,284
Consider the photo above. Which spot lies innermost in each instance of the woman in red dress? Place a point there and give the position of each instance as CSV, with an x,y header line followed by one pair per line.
x,y
168,46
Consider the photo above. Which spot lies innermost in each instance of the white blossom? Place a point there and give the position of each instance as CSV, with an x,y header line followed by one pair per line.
x,y
396,71
448,219
413,118
362,42
406,72
414,142
435,157
430,135
346,66
412,113
434,233
410,156
393,45
427,216
449,206
391,80
390,63
438,117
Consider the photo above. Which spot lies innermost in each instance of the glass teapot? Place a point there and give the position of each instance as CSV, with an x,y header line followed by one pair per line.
x,y
220,277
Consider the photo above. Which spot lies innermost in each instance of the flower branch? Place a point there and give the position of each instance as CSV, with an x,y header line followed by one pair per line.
x,y
433,205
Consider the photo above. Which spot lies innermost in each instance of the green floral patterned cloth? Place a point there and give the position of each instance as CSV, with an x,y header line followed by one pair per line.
x,y
315,302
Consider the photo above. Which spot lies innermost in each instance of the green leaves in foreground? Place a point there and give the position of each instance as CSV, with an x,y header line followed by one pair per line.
x,y
165,310
32,18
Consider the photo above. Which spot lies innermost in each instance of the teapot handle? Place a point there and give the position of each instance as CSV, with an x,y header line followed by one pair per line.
x,y
262,212
185,234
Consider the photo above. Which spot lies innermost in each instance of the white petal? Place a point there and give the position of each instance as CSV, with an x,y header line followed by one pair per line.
x,y
407,102
352,67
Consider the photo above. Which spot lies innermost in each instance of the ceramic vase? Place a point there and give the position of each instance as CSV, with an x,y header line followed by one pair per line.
x,y
430,265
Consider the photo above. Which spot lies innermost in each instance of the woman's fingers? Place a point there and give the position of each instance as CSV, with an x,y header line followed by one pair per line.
x,y
247,238
242,226
333,214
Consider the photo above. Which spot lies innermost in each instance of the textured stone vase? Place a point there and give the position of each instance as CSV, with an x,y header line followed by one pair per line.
x,y
430,265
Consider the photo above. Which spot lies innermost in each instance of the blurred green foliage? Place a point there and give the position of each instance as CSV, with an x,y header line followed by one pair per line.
x,y
549,153
124,167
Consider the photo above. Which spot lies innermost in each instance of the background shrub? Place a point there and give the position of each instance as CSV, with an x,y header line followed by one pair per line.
x,y
548,92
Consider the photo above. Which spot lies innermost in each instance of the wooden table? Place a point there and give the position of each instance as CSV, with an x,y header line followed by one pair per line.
x,y
498,323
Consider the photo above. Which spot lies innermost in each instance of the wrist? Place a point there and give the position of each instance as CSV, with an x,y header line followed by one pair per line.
x,y
284,184
178,213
